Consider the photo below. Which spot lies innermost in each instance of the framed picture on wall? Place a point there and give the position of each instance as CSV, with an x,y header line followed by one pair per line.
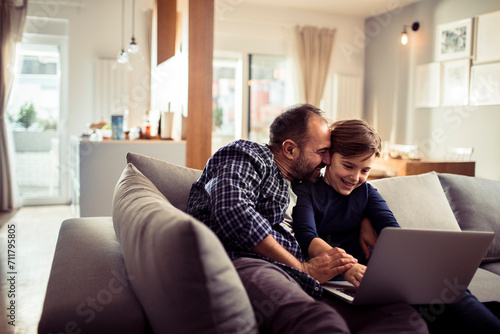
x,y
428,85
453,40
485,84
487,41
455,83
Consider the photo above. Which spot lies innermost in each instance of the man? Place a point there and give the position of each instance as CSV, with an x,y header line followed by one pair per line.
x,y
244,194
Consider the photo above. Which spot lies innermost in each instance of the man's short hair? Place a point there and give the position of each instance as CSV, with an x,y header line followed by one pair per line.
x,y
292,124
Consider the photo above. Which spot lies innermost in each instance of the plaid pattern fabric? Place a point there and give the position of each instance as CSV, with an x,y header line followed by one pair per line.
x,y
242,196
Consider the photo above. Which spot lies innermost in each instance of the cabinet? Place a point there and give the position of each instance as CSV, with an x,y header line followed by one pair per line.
x,y
384,167
97,166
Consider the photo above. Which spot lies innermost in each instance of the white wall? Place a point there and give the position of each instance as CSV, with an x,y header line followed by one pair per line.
x,y
390,85
244,29
95,32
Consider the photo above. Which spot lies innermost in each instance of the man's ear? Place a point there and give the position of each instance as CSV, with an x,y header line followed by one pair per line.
x,y
290,149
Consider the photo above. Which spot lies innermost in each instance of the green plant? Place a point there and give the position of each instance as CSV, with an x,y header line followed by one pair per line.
x,y
47,124
27,115
217,117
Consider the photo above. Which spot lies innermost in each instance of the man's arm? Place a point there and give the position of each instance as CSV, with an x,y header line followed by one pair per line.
x,y
323,267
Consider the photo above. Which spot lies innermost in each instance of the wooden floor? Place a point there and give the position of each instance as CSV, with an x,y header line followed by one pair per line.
x,y
35,231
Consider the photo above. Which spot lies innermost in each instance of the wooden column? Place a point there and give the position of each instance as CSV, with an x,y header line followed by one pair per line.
x,y
199,120
165,20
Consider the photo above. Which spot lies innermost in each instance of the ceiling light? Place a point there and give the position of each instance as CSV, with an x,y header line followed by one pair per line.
x,y
122,56
133,48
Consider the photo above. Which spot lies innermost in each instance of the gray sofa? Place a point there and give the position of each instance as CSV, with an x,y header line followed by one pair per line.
x,y
153,268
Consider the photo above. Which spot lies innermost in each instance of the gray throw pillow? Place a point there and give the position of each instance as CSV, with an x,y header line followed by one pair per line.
x,y
476,205
173,181
417,201
183,277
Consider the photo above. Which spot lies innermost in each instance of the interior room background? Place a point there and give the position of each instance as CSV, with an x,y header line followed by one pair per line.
x,y
366,56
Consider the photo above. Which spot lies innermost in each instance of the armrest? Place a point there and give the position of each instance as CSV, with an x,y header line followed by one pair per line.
x,y
89,290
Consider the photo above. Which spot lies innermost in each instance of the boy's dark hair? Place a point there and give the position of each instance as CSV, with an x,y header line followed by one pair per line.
x,y
355,138
292,124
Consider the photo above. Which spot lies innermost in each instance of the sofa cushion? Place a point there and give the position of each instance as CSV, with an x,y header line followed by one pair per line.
x,y
485,285
173,181
475,203
494,267
182,275
89,290
417,201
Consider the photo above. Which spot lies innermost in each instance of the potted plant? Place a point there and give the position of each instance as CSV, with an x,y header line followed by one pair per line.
x,y
27,115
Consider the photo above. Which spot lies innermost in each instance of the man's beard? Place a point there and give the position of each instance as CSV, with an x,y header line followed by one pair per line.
x,y
303,170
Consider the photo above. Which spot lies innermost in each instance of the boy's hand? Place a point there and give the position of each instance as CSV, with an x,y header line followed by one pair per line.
x,y
355,274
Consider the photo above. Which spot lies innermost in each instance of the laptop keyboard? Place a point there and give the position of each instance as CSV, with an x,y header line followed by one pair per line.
x,y
349,292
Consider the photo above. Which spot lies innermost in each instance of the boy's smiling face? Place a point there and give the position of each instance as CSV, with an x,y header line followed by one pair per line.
x,y
345,174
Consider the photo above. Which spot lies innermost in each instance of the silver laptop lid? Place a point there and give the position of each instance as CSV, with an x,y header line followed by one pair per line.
x,y
422,266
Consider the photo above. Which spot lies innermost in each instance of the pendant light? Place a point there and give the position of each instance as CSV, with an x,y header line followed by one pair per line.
x,y
133,48
122,56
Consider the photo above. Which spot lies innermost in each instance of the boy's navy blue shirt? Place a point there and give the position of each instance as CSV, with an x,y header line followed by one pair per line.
x,y
323,212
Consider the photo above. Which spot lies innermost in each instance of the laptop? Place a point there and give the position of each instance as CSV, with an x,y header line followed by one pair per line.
x,y
416,266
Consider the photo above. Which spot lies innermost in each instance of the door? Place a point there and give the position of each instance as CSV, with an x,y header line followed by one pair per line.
x,y
35,111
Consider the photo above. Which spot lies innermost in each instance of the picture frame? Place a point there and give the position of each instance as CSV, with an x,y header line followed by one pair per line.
x,y
453,40
428,85
455,86
487,41
485,84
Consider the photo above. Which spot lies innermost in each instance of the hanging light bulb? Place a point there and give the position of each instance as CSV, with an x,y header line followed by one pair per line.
x,y
122,56
404,36
133,48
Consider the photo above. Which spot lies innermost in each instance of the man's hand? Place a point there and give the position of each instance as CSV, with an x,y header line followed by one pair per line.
x,y
367,236
328,264
355,274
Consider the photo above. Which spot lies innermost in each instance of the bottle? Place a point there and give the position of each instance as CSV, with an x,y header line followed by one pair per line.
x,y
147,132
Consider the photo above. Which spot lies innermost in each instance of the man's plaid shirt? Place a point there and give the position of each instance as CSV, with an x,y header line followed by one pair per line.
x,y
242,196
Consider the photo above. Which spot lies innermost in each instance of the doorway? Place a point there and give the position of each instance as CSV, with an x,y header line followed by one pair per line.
x,y
35,112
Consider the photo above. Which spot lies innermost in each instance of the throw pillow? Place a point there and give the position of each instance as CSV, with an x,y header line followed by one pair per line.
x,y
475,203
173,181
183,277
418,201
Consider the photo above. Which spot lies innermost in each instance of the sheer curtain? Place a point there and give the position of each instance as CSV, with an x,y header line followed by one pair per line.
x,y
314,48
12,18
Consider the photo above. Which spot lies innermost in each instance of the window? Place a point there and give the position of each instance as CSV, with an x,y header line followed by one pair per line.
x,y
266,94
241,113
226,101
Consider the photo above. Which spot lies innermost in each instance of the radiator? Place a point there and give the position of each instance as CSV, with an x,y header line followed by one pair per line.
x,y
347,97
111,89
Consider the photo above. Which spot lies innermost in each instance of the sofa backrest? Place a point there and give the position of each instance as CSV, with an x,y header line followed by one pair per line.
x,y
173,181
476,205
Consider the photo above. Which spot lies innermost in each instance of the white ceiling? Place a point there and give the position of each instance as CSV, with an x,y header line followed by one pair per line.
x,y
363,8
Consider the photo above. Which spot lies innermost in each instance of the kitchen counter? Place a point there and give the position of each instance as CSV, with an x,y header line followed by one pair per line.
x,y
96,166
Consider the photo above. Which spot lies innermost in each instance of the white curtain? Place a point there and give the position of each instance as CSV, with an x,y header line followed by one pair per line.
x,y
12,18
314,48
